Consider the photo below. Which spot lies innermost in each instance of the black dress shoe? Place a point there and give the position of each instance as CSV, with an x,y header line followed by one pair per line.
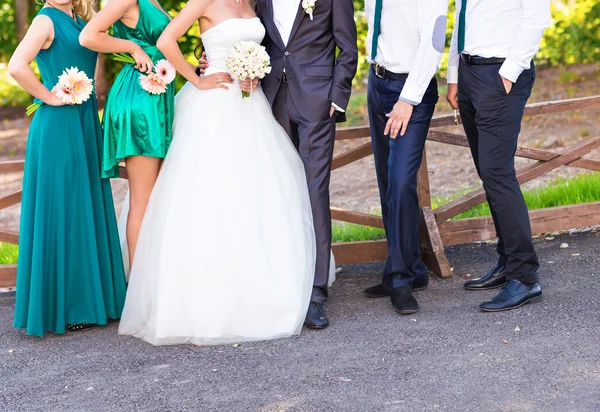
x,y
513,295
495,278
403,300
378,291
315,318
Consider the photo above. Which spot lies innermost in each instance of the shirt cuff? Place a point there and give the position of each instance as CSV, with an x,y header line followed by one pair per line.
x,y
338,108
413,94
452,76
510,70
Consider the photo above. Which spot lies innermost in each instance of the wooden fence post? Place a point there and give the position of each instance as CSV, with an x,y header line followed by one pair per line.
x,y
432,248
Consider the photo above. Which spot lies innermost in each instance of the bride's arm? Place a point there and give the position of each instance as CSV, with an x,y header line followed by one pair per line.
x,y
167,44
95,35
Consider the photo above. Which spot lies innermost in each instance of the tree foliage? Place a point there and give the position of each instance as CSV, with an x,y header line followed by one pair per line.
x,y
573,38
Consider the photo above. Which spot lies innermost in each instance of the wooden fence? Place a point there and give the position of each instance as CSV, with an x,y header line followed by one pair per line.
x,y
438,230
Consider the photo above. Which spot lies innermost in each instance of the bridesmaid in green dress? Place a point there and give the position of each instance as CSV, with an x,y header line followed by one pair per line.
x,y
137,124
70,272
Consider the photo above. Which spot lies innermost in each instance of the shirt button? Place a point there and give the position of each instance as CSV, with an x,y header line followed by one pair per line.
x,y
287,53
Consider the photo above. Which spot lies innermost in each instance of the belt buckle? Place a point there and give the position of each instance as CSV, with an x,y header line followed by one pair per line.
x,y
379,71
284,77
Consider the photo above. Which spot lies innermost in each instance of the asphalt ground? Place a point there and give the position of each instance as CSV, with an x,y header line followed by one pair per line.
x,y
449,356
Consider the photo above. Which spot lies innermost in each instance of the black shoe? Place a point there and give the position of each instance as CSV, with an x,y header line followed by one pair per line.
x,y
403,300
80,327
495,278
315,318
513,295
378,291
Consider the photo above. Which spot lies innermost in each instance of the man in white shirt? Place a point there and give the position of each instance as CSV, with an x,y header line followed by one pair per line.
x,y
490,78
405,43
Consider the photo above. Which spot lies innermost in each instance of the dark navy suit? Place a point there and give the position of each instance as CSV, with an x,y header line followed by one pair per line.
x,y
301,100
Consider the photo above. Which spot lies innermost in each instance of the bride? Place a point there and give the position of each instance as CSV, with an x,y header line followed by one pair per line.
x,y
226,251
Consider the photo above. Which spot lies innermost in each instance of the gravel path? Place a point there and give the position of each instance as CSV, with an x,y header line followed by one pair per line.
x,y
447,357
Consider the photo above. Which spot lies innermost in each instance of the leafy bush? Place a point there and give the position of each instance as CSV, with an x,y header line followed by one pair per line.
x,y
574,36
11,94
8,35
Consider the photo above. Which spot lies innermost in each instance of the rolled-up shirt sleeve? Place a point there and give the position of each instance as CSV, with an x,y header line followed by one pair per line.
x,y
432,33
535,18
453,57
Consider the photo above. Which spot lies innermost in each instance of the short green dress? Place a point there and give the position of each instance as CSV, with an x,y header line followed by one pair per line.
x,y
70,267
137,123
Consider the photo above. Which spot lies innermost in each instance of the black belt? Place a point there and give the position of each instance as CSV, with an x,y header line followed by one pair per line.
x,y
478,60
284,78
383,73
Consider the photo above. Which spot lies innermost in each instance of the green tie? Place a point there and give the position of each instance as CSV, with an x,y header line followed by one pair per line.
x,y
461,26
376,28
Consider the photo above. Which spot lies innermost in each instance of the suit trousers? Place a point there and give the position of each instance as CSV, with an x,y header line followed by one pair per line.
x,y
492,122
314,141
397,162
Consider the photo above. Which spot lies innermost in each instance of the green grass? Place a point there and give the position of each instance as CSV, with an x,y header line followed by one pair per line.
x,y
583,188
357,112
579,189
349,232
8,254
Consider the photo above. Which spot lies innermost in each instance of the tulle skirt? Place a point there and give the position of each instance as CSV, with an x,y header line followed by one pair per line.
x,y
226,252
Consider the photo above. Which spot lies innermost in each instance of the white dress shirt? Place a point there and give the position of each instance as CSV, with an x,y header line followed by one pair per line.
x,y
412,38
284,16
511,29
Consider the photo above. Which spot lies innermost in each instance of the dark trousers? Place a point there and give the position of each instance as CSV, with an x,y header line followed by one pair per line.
x,y
492,121
314,141
397,162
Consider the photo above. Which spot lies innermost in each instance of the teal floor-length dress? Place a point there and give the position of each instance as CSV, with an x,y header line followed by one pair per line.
x,y
70,266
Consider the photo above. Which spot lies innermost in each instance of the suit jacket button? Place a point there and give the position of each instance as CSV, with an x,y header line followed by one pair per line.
x,y
287,53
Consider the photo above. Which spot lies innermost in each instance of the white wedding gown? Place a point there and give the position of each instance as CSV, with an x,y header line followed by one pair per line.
x,y
226,252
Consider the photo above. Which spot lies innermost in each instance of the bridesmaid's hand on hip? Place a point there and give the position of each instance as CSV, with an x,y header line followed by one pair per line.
x,y
143,62
53,100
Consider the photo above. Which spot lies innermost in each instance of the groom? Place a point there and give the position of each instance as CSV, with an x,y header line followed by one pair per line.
x,y
309,89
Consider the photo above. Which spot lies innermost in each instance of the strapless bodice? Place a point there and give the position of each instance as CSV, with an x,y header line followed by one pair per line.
x,y
219,40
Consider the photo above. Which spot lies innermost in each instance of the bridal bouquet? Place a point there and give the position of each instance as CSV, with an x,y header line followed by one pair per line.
x,y
248,60
155,82
73,87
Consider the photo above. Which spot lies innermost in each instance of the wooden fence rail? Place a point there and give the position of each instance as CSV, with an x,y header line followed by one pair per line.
x,y
438,230
437,227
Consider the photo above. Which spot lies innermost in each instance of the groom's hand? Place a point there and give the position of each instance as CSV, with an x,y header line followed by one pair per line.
x,y
398,119
331,111
203,63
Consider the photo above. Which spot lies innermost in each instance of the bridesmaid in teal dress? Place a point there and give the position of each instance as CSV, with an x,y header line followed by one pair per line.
x,y
70,274
137,124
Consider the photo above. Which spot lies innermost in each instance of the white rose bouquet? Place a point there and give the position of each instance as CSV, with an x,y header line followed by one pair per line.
x,y
248,60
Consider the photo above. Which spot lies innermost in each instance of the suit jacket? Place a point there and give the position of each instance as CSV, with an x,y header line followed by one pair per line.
x,y
315,77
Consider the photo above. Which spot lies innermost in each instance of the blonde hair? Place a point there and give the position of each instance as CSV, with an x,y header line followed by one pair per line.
x,y
84,8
